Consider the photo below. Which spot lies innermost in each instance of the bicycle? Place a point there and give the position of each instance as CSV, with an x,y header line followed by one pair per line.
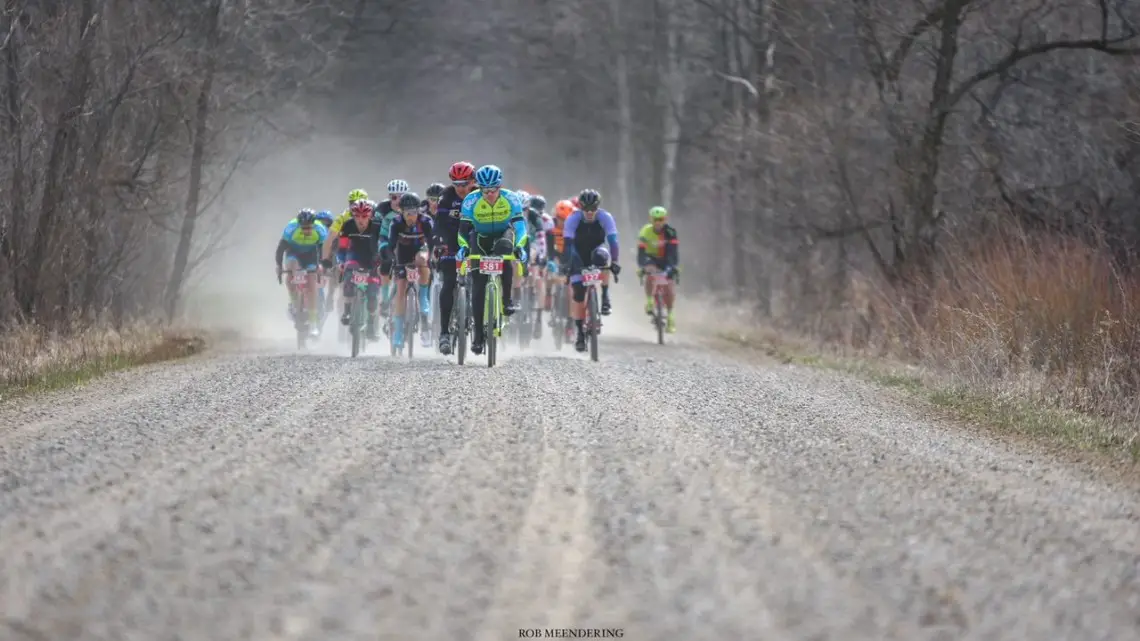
x,y
592,281
411,308
299,279
560,323
494,320
360,278
660,281
524,328
436,286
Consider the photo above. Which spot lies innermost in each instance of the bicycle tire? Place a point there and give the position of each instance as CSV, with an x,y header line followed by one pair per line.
x,y
459,318
659,318
355,325
411,316
491,319
592,319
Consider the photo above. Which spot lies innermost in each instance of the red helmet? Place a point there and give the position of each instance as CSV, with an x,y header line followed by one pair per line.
x,y
361,207
461,171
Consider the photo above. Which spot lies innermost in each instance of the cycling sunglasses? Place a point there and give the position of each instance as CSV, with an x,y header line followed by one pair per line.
x,y
461,183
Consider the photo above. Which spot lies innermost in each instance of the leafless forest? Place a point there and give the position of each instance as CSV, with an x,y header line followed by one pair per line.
x,y
952,179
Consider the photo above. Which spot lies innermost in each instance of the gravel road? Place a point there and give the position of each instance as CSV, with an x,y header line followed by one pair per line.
x,y
674,493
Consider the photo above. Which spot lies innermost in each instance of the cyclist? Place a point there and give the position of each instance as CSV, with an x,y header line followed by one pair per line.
x,y
462,176
341,219
491,222
554,249
410,238
431,197
301,240
539,224
585,236
387,213
658,251
358,244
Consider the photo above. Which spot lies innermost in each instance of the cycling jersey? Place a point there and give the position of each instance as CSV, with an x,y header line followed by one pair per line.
x,y
300,244
480,219
447,219
582,237
339,222
363,245
661,249
408,239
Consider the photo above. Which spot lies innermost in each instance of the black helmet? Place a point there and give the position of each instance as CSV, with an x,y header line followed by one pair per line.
x,y
537,203
306,217
589,199
435,190
409,202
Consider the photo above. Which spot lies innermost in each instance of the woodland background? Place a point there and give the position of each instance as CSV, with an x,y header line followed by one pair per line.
x,y
948,181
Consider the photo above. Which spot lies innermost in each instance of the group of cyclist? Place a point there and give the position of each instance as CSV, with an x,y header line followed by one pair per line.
x,y
474,215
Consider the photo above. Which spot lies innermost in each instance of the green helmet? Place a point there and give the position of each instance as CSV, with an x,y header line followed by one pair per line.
x,y
357,194
658,213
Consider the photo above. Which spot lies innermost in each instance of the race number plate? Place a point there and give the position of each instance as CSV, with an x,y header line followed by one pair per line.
x,y
359,278
413,275
299,278
491,265
591,276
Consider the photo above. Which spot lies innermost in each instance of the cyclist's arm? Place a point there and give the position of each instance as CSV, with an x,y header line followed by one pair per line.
x,y
672,250
429,234
282,245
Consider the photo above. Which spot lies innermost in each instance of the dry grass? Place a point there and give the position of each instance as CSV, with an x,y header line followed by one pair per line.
x,y
33,359
1036,334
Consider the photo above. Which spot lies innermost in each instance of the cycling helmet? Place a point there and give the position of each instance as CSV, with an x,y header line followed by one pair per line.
x,y
306,217
589,200
357,194
361,207
325,217
563,209
524,196
398,187
434,191
410,203
461,171
489,177
537,203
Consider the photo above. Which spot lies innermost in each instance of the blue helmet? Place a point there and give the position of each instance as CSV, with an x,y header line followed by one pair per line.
x,y
489,176
325,216
306,217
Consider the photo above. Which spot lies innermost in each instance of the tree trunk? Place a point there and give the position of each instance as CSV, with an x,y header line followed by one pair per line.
x,y
625,123
674,91
201,121
61,161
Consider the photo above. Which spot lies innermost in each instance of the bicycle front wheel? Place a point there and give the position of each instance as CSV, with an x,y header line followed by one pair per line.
x,y
491,302
592,320
411,317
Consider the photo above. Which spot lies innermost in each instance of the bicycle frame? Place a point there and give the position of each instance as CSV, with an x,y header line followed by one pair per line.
x,y
493,318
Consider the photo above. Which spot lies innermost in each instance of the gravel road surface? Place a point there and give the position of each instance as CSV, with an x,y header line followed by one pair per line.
x,y
676,493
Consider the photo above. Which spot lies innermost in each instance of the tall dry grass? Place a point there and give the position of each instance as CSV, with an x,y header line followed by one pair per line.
x,y
1048,318
32,357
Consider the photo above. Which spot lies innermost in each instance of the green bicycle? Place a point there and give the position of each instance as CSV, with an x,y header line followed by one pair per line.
x,y
494,320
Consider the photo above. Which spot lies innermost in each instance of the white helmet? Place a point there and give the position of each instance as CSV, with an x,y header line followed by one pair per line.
x,y
398,187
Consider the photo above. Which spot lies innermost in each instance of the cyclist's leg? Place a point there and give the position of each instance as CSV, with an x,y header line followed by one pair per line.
x,y
478,293
600,258
398,303
446,293
348,291
421,261
292,264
